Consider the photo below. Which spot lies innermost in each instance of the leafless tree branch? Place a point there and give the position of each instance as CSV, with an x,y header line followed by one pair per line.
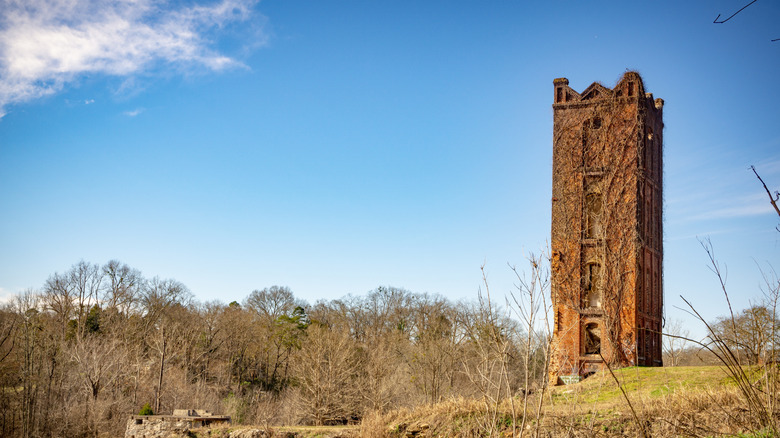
x,y
772,199
732,15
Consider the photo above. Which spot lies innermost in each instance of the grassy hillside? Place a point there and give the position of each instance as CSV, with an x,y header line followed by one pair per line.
x,y
682,401
643,383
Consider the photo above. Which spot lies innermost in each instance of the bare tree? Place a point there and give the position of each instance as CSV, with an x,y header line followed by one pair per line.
x,y
675,340
382,378
59,298
279,319
98,361
27,309
122,287
7,326
431,355
531,306
238,336
326,366
490,335
751,332
272,302
159,296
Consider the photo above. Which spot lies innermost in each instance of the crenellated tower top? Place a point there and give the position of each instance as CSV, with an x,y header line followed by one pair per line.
x,y
630,85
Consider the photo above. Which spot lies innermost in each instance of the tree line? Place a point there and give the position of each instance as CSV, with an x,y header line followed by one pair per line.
x,y
99,342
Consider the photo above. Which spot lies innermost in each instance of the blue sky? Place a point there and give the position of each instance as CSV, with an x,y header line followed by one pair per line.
x,y
336,146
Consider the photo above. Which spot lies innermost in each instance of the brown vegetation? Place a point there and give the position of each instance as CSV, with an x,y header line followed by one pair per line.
x,y
96,343
671,402
395,362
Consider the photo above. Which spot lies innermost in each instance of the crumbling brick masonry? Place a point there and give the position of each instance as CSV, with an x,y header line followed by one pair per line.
x,y
607,228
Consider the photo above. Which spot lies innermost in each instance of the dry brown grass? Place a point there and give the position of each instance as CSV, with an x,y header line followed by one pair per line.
x,y
454,417
671,402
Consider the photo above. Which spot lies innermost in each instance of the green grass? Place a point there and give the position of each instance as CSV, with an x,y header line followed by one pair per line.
x,y
646,383
668,401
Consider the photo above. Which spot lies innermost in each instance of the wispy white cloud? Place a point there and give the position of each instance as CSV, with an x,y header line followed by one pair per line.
x,y
697,235
768,167
751,205
6,296
45,44
134,112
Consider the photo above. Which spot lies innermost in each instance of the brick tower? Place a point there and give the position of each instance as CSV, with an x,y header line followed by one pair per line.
x,y
607,235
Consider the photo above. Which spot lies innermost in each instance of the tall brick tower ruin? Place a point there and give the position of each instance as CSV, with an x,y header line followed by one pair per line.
x,y
607,235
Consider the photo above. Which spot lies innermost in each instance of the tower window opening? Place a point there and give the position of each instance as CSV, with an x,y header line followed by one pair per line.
x,y
559,94
592,338
593,225
630,88
593,293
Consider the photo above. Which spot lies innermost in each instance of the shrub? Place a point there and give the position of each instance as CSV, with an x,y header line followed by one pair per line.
x,y
146,410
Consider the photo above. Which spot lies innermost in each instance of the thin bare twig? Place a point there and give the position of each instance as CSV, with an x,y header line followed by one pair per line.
x,y
640,424
732,15
772,199
730,360
715,268
734,369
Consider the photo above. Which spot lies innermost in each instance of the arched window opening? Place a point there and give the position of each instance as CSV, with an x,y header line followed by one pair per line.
x,y
593,225
592,338
593,293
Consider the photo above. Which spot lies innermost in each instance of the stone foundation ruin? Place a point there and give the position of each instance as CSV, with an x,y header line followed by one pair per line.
x,y
180,423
